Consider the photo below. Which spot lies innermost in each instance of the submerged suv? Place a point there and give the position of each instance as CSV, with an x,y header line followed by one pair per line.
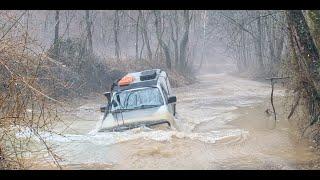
x,y
139,99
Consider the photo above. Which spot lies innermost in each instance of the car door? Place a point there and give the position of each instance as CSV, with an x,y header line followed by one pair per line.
x,y
170,93
165,90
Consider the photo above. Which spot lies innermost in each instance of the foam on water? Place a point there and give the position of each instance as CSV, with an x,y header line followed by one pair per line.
x,y
109,138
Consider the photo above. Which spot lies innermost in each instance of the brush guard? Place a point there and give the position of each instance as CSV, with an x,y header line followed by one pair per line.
x,y
125,127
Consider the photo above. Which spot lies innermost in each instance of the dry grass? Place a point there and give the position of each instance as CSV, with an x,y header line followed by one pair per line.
x,y
33,85
24,102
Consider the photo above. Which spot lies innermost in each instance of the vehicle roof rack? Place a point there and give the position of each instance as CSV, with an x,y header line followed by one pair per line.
x,y
148,75
147,78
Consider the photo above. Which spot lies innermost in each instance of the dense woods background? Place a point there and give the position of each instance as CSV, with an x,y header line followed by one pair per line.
x,y
50,57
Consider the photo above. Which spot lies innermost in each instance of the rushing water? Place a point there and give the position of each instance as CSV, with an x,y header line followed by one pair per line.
x,y
221,124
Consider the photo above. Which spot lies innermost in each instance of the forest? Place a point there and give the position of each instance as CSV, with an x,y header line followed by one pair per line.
x,y
51,59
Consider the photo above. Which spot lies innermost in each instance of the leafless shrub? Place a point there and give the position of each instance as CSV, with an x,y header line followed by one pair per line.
x,y
35,85
25,104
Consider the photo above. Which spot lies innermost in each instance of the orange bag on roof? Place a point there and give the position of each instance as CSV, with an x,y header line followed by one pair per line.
x,y
126,80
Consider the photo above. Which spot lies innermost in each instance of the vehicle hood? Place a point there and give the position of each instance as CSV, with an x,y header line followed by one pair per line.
x,y
139,115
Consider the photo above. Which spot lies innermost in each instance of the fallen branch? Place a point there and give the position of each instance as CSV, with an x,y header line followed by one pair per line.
x,y
271,96
16,21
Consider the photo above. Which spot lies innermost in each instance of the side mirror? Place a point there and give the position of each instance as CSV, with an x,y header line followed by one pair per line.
x,y
114,103
104,108
172,99
107,95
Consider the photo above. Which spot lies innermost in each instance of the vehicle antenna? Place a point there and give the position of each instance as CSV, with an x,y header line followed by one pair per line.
x,y
121,107
121,112
117,94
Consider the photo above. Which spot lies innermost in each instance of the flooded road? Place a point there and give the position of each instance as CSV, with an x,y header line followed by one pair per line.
x,y
221,124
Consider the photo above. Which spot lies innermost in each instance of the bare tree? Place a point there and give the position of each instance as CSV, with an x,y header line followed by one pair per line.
x,y
204,27
305,67
142,46
69,15
174,24
116,29
145,34
159,32
89,33
137,36
184,40
314,16
56,35
304,47
259,42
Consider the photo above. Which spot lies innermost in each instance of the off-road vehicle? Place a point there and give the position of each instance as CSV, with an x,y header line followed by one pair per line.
x,y
139,99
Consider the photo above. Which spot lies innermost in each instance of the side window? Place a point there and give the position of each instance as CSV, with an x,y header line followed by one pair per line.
x,y
164,92
164,85
168,85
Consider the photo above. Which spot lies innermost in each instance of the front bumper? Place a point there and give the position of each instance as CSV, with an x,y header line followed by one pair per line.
x,y
123,127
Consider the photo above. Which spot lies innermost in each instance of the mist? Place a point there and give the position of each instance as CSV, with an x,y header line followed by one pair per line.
x,y
231,78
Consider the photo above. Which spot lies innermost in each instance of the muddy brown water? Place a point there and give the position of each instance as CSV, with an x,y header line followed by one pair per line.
x,y
221,124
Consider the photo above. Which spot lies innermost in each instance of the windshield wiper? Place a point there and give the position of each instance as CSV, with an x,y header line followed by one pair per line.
x,y
146,106
121,110
135,108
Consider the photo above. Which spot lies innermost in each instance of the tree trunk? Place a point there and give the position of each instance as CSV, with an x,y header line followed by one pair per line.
x,y
184,41
159,31
56,35
259,43
68,24
89,33
116,28
175,37
145,35
142,47
304,47
243,52
279,47
271,38
203,38
276,42
314,16
137,37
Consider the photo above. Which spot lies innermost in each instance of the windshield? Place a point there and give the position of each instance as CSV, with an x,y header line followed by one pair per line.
x,y
138,99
